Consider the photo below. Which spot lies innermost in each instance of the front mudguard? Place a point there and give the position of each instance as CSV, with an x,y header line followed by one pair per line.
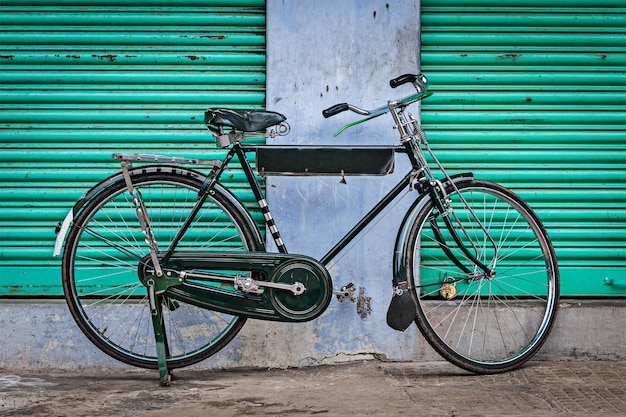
x,y
63,227
403,307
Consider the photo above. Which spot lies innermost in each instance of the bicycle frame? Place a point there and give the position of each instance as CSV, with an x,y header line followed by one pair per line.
x,y
240,151
411,137
441,242
415,176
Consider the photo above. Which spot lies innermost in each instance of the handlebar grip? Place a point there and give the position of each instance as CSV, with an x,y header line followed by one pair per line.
x,y
337,108
403,79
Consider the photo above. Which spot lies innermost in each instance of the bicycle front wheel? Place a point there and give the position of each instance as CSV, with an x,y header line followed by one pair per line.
x,y
100,268
483,323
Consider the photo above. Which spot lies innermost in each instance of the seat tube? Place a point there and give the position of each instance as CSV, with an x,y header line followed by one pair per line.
x,y
258,195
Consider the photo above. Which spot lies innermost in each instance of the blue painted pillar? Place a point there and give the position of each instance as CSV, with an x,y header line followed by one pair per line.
x,y
321,53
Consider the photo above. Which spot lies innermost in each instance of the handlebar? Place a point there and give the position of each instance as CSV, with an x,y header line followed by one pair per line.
x,y
419,81
336,109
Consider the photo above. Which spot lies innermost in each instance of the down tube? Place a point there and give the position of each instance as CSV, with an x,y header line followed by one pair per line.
x,y
371,215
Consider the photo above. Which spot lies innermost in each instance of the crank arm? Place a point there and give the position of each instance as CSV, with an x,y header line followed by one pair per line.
x,y
247,284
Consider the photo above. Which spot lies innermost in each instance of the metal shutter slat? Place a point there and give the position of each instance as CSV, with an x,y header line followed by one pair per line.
x,y
83,79
530,93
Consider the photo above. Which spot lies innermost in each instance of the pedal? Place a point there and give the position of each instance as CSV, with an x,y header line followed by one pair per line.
x,y
345,293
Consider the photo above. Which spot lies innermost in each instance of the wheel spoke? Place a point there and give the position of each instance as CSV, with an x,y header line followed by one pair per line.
x,y
100,275
493,323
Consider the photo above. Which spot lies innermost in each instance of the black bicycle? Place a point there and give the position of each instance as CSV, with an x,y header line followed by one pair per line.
x,y
162,264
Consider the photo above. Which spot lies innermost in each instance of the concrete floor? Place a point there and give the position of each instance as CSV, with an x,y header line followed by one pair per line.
x,y
361,388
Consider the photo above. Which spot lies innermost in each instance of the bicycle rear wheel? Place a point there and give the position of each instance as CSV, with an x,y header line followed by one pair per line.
x,y
480,323
100,268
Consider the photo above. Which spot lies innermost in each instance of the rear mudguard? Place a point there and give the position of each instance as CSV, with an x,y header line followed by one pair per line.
x,y
402,240
63,227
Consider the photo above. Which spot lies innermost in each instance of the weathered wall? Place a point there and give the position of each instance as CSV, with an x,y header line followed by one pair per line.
x,y
43,336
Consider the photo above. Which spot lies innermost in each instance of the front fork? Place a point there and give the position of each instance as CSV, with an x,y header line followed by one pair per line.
x,y
413,137
443,204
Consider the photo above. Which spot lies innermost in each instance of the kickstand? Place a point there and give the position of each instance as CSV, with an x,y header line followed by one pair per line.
x,y
165,375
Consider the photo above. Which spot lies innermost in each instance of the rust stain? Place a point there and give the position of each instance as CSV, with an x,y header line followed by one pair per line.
x,y
214,37
7,57
509,56
109,58
73,56
523,120
15,289
363,304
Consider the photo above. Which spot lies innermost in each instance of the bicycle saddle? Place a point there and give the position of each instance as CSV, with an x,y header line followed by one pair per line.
x,y
242,120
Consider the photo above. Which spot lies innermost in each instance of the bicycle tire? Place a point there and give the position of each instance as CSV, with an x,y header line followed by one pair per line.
x,y
492,324
101,257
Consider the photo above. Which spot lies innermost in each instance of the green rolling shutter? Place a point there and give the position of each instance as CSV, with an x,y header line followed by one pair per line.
x,y
532,94
82,79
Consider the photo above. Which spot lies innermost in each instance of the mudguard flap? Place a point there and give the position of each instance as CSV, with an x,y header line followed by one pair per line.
x,y
402,309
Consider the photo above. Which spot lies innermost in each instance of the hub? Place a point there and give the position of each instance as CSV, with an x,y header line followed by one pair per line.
x,y
145,270
147,275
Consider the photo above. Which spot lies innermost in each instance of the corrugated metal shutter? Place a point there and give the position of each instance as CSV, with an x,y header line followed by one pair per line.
x,y
82,79
531,93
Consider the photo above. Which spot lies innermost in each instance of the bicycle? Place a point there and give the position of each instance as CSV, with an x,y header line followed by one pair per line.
x,y
162,264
